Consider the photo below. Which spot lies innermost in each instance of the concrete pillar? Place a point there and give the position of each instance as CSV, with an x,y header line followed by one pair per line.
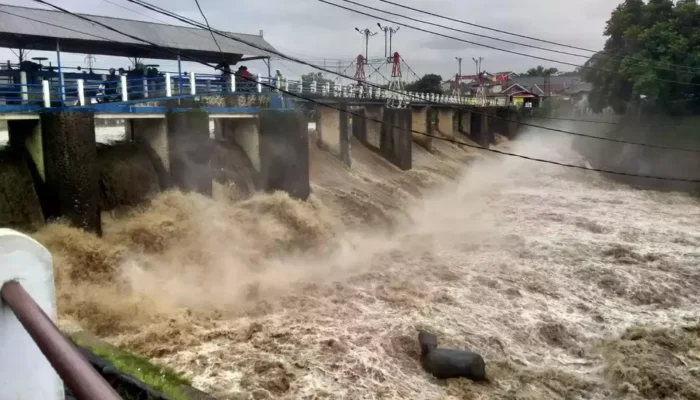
x,y
345,135
420,123
374,115
245,132
70,165
189,151
464,122
333,131
284,152
23,169
151,134
396,141
492,126
26,373
478,129
446,122
359,125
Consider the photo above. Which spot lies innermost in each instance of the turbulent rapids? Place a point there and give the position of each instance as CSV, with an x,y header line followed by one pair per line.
x,y
570,286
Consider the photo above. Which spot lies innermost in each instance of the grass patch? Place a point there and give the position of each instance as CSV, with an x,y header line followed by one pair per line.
x,y
162,379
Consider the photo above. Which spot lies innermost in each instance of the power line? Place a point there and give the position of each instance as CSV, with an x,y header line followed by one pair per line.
x,y
379,121
209,27
528,37
195,23
486,36
493,47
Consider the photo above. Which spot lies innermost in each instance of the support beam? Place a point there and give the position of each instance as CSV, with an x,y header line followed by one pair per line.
x,y
151,134
70,163
420,123
189,150
333,133
396,142
446,122
284,152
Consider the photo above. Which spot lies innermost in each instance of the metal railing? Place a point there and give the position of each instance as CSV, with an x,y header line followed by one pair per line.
x,y
122,88
81,378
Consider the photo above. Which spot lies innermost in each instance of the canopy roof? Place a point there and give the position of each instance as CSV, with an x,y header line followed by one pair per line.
x,y
39,29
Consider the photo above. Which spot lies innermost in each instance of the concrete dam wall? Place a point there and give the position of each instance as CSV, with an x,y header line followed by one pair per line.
x,y
54,167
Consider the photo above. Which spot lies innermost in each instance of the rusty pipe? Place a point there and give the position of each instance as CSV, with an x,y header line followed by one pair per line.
x,y
77,373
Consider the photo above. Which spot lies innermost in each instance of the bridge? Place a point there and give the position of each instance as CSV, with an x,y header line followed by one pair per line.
x,y
51,116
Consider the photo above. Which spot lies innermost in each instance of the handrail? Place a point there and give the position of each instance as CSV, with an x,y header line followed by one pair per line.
x,y
77,373
130,88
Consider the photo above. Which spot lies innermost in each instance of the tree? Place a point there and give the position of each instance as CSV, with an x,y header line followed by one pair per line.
x,y
649,41
429,83
541,71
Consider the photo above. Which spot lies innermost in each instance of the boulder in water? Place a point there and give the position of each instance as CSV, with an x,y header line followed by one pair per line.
x,y
449,363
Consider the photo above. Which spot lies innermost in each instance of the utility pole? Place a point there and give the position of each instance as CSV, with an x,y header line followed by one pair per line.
x,y
366,33
478,61
458,87
388,32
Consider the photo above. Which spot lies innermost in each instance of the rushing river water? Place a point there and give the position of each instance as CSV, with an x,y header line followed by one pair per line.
x,y
541,269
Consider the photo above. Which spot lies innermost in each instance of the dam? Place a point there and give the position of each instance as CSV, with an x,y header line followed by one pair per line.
x,y
304,266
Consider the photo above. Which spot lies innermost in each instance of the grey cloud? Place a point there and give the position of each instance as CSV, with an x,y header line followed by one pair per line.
x,y
312,29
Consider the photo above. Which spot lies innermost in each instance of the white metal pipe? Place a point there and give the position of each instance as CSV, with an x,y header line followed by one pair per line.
x,y
193,84
46,91
125,91
23,84
81,92
168,85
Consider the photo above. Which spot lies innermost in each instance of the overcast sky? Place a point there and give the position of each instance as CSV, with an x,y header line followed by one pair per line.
x,y
314,30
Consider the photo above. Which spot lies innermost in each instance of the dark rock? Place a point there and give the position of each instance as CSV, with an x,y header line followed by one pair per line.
x,y
450,363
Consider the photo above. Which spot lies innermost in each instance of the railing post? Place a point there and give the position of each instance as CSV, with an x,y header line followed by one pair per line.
x,y
232,78
62,89
35,356
312,88
125,89
286,85
193,84
300,87
46,91
168,85
259,86
145,88
23,85
81,92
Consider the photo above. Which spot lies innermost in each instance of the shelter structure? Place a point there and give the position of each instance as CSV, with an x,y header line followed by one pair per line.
x,y
49,30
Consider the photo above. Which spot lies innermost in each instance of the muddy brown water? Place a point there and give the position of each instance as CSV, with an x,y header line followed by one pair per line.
x,y
570,285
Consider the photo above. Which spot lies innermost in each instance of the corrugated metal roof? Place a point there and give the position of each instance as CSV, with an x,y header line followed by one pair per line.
x,y
15,20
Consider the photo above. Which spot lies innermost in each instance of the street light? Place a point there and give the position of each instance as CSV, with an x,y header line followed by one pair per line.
x,y
388,31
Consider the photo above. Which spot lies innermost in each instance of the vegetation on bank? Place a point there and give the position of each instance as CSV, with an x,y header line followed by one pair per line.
x,y
650,59
162,379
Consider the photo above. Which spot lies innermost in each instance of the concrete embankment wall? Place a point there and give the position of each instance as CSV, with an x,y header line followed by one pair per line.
x,y
53,168
679,132
56,169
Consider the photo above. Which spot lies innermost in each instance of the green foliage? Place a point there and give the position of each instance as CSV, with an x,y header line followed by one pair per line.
x,y
429,83
162,379
541,71
648,36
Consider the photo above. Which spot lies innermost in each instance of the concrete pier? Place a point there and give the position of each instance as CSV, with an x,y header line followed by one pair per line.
x,y
332,127
446,122
284,152
151,134
374,114
479,126
396,143
69,150
190,149
464,122
420,123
